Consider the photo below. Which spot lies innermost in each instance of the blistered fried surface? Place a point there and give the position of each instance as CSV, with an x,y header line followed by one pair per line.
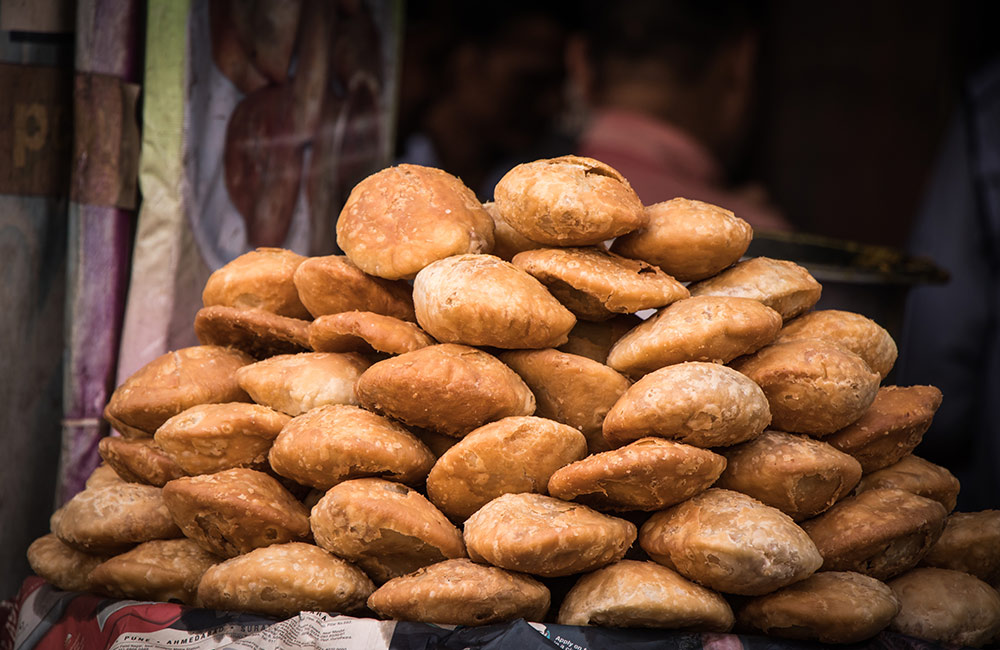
x,y
595,340
701,404
947,607
540,535
296,383
63,566
460,592
482,300
333,284
163,570
260,279
400,219
139,460
260,334
365,331
918,476
284,579
703,328
784,286
507,242
862,336
970,543
644,594
730,542
111,518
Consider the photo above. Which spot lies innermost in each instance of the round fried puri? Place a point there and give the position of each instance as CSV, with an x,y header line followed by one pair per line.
x,y
451,389
596,285
700,404
162,569
880,533
388,529
812,387
947,607
260,279
296,383
63,566
103,474
703,328
891,428
364,331
827,607
568,201
918,476
482,300
784,286
235,511
570,389
648,474
730,542
538,534
690,240
970,543
111,518
400,219
595,340
862,336
644,594
139,460
461,592
174,382
284,579
210,438
507,242
796,474
260,334
515,454
330,444
333,284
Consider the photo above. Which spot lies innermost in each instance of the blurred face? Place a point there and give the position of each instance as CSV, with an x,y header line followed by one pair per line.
x,y
515,88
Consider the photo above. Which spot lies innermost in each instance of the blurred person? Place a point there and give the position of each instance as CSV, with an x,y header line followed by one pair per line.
x,y
951,333
669,85
482,86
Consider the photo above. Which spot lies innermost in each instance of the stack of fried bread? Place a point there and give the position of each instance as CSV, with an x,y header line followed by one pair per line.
x,y
426,431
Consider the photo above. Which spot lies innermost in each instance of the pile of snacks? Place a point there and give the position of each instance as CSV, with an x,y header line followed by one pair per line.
x,y
451,451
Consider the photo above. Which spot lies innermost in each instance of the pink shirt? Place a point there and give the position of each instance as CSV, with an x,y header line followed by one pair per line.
x,y
662,162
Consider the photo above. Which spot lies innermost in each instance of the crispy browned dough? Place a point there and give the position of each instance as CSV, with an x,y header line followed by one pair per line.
x,y
295,383
828,607
595,340
690,240
139,460
212,437
63,566
260,279
918,476
596,285
330,444
515,454
451,389
235,511
161,569
111,518
388,529
812,386
400,219
703,328
862,336
644,594
507,242
537,534
284,579
173,382
461,592
482,300
880,533
570,389
947,607
796,474
730,542
648,474
260,334
784,286
970,543
365,331
700,404
333,284
891,428
568,201
103,474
